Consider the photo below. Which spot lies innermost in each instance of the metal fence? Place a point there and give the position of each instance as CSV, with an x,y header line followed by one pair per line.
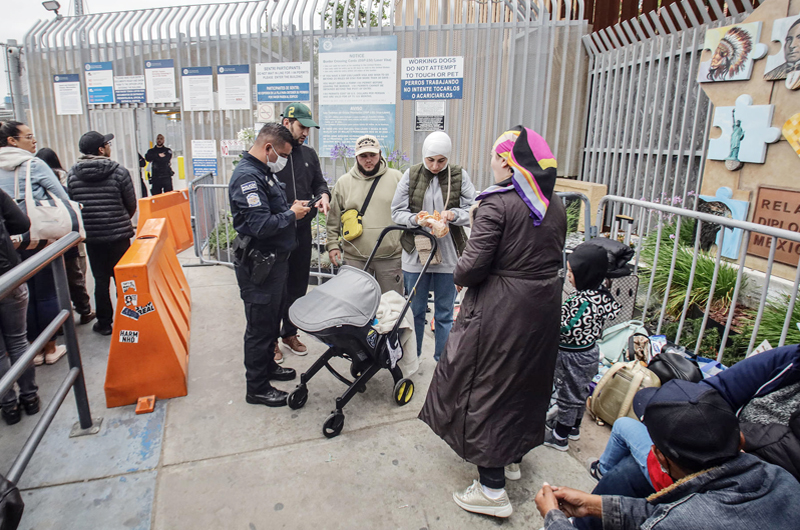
x,y
53,255
680,276
523,63
648,118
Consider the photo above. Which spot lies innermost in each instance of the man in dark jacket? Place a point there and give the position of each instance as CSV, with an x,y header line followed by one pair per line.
x,y
303,180
265,224
105,190
161,170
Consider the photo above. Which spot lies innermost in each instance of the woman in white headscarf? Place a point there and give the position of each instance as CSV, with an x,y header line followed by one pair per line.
x,y
435,185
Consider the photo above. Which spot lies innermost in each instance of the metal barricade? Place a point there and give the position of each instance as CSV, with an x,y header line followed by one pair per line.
x,y
212,225
667,255
8,282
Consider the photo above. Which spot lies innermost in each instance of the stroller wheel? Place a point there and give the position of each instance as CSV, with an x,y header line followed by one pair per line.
x,y
403,391
333,425
298,397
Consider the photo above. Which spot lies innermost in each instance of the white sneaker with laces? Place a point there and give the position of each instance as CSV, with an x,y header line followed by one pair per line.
x,y
474,500
512,472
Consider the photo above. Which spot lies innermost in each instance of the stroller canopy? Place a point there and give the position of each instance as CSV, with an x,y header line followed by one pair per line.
x,y
351,298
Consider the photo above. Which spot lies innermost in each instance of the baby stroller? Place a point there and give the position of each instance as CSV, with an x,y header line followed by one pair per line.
x,y
340,313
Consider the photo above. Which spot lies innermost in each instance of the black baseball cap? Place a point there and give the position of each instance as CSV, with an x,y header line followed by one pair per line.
x,y
92,141
690,423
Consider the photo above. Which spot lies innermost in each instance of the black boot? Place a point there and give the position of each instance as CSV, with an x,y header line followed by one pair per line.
x,y
11,413
30,404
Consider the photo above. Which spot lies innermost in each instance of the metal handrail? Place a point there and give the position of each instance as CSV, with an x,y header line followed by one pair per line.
x,y
8,282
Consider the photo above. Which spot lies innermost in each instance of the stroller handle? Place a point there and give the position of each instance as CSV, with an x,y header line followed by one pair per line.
x,y
434,246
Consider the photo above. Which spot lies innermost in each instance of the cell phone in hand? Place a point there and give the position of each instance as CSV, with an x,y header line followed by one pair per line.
x,y
313,202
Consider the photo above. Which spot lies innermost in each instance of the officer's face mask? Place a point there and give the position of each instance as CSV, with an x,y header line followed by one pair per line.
x,y
279,164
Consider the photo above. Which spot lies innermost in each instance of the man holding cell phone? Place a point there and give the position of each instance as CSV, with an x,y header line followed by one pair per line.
x,y
303,181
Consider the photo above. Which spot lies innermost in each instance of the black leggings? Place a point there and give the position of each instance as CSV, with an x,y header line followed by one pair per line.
x,y
494,477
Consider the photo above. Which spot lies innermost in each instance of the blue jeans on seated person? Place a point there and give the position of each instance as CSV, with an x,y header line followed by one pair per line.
x,y
628,438
444,294
624,479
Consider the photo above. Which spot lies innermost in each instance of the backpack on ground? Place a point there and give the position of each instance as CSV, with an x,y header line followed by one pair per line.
x,y
613,396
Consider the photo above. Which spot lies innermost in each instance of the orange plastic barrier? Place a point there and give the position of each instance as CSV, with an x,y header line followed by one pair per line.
x,y
174,207
150,344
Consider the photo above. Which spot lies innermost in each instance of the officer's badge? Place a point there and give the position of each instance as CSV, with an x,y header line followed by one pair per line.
x,y
253,200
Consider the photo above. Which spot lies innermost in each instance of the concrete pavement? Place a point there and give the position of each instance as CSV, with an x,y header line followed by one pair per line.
x,y
209,460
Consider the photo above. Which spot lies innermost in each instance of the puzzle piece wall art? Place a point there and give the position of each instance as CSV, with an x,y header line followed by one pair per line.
x,y
746,131
734,50
786,63
738,210
791,131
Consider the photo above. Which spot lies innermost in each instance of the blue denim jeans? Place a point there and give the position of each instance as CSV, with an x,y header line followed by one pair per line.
x,y
444,294
628,438
14,342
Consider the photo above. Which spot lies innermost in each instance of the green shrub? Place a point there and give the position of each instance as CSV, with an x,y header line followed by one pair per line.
x,y
573,216
704,272
221,237
772,323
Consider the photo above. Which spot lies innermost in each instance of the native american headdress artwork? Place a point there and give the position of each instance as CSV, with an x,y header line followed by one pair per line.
x,y
731,54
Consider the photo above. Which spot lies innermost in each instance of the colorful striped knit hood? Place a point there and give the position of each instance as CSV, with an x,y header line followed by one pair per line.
x,y
534,169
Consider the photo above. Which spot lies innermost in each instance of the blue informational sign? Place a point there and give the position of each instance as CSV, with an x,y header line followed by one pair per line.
x,y
357,87
130,89
431,88
203,166
283,82
432,78
99,82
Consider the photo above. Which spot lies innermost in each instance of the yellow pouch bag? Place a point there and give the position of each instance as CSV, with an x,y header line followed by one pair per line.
x,y
351,225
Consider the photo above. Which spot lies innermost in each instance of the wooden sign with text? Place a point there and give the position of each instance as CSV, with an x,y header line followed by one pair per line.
x,y
781,209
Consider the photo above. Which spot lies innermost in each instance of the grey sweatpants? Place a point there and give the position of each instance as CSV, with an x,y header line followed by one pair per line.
x,y
574,372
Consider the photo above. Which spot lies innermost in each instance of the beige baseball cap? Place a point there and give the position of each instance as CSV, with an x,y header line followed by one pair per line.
x,y
367,144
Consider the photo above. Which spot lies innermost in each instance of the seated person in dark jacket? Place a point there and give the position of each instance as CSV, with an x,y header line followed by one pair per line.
x,y
698,442
763,389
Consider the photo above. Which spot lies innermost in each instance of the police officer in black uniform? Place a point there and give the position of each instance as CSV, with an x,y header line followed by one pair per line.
x,y
304,180
160,158
265,223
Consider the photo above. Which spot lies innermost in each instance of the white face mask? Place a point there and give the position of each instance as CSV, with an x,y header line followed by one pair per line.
x,y
279,164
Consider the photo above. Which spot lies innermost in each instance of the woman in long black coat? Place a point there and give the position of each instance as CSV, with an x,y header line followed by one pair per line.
x,y
491,388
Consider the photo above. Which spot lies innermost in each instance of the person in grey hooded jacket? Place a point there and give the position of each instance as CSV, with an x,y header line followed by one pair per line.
x,y
17,148
105,190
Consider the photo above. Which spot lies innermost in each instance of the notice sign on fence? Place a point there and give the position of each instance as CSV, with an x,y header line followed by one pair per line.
x,y
129,88
204,157
357,90
233,82
429,116
432,78
283,82
160,76
781,209
99,82
198,88
67,88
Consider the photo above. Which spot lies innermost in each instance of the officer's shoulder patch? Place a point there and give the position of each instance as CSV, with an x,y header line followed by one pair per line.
x,y
253,200
249,186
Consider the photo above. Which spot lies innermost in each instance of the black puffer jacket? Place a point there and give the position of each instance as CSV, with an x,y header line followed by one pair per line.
x,y
105,190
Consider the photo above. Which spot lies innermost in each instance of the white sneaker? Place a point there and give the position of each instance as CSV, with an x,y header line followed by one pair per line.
x,y
474,500
38,359
512,472
59,352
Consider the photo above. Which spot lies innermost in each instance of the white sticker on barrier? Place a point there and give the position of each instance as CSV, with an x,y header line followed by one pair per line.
x,y
128,285
131,337
143,310
130,313
131,299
